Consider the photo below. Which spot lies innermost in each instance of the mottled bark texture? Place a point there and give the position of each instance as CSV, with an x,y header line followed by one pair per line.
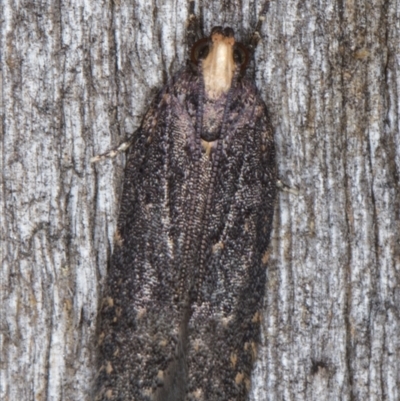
x,y
77,78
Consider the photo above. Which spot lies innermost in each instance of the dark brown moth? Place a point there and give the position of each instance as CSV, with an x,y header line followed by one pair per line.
x,y
181,313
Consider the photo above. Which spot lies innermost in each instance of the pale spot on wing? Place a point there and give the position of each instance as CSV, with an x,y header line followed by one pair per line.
x,y
197,394
256,318
118,239
207,146
233,359
216,247
265,257
109,301
239,378
109,368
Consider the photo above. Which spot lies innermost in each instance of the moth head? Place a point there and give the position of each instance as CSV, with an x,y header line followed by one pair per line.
x,y
221,55
201,48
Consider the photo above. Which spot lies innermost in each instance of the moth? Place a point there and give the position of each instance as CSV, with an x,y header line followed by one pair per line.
x,y
180,319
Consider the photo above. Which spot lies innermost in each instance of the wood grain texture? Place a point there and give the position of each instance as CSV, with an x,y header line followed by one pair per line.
x,y
78,77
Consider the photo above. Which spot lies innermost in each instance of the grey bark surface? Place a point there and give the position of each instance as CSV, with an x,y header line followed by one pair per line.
x,y
76,80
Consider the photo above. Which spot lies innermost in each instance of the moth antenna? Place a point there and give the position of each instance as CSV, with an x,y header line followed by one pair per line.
x,y
255,37
194,29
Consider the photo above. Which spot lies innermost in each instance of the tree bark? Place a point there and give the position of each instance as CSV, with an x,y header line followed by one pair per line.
x,y
77,78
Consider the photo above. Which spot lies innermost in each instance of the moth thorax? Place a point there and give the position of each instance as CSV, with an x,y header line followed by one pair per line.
x,y
218,66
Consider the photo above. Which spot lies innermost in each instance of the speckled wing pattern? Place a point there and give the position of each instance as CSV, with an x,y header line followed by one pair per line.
x,y
181,312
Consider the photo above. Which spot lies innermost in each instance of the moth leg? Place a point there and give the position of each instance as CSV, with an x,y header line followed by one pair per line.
x,y
111,153
286,188
194,29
